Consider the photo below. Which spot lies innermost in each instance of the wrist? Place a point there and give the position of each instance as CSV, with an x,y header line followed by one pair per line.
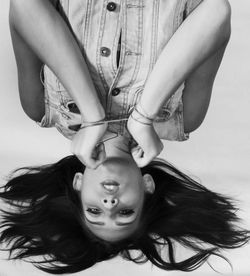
x,y
94,123
140,116
93,115
147,110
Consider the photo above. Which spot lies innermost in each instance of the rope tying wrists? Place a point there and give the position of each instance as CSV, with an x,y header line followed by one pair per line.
x,y
143,113
100,122
143,118
89,124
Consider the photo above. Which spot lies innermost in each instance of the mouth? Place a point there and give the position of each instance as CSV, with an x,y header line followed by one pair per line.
x,y
110,185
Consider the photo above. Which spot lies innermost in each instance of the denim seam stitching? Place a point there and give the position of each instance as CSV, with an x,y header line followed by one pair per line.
x,y
115,48
139,50
154,36
98,56
85,33
122,57
177,17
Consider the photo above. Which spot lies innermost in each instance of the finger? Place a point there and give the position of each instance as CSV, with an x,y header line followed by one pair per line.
x,y
98,156
144,159
97,150
136,149
85,160
138,157
101,154
142,162
137,154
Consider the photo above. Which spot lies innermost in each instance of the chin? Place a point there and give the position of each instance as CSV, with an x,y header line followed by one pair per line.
x,y
117,161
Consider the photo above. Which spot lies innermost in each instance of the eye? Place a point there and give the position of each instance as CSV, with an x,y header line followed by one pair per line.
x,y
126,212
94,211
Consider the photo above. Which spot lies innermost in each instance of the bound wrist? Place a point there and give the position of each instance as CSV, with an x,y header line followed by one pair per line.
x,y
140,116
139,108
93,116
94,123
148,108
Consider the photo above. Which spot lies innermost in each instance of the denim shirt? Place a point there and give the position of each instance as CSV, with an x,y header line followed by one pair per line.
x,y
121,41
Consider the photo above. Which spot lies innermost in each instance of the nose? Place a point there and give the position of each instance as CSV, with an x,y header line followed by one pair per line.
x,y
109,203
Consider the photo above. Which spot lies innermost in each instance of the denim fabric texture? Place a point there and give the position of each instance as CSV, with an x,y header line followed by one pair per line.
x,y
143,28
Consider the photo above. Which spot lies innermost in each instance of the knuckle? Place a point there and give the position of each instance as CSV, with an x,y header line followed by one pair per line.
x,y
153,153
94,166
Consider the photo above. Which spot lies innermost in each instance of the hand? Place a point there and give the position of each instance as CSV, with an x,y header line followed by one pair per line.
x,y
87,147
149,144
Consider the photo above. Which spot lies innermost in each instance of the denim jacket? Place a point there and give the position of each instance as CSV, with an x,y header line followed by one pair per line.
x,y
121,41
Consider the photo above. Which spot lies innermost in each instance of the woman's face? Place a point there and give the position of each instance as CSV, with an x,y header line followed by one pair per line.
x,y
112,197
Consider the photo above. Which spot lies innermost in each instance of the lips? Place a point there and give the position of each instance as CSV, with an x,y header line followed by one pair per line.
x,y
110,186
110,183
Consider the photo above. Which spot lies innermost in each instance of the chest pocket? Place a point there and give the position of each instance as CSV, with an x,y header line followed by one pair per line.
x,y
171,105
167,110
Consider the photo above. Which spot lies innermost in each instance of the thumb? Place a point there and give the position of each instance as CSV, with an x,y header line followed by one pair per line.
x,y
135,151
137,154
99,154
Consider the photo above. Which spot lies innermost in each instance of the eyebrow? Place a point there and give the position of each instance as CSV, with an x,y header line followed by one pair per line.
x,y
95,222
102,223
124,223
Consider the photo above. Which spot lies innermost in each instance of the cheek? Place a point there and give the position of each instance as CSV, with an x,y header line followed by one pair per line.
x,y
88,194
91,177
133,196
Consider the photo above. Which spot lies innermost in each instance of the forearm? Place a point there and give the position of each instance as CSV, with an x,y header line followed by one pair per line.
x,y
50,38
200,35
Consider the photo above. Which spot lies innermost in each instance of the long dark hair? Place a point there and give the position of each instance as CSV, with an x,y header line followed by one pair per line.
x,y
44,219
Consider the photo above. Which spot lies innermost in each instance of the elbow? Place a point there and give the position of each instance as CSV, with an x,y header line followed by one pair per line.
x,y
34,114
219,12
223,7
220,7
33,105
225,11
15,12
20,9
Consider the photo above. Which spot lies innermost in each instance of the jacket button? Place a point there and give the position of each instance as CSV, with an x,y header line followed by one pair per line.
x,y
115,91
111,6
105,52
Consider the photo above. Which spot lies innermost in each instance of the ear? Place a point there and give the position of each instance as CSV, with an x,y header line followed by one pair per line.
x,y
77,181
149,184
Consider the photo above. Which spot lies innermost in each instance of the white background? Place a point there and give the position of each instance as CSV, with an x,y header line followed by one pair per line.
x,y
218,152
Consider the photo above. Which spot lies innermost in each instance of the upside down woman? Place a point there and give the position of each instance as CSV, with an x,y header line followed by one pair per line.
x,y
116,78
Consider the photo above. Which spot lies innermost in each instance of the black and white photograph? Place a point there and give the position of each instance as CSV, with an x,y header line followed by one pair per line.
x,y
125,137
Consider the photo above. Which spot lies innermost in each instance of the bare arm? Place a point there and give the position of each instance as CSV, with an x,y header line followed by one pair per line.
x,y
31,90
45,38
197,39
193,55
